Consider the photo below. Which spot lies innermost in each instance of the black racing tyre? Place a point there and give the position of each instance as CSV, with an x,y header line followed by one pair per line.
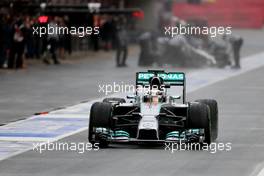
x,y
213,115
110,100
199,117
100,116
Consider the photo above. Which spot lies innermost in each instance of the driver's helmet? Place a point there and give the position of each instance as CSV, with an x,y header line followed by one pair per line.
x,y
155,94
156,82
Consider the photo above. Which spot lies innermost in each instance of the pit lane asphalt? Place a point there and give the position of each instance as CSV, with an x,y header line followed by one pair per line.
x,y
241,123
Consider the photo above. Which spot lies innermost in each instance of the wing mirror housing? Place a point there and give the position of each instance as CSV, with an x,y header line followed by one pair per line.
x,y
131,97
175,97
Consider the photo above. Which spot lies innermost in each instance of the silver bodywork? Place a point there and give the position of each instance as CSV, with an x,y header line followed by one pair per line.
x,y
152,116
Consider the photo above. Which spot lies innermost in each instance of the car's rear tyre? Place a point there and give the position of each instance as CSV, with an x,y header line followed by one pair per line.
x,y
199,117
100,117
110,100
213,115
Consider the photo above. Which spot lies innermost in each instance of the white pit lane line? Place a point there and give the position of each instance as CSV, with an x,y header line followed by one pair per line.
x,y
259,170
261,173
58,124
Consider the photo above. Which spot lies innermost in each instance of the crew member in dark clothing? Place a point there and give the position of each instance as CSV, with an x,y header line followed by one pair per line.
x,y
6,39
106,34
2,51
122,45
52,44
237,43
114,33
18,46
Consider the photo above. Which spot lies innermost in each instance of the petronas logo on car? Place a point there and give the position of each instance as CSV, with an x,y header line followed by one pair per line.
x,y
171,76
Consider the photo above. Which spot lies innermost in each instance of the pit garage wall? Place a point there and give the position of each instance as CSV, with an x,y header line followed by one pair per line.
x,y
235,13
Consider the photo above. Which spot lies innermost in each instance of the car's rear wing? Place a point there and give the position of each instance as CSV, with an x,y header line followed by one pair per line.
x,y
169,78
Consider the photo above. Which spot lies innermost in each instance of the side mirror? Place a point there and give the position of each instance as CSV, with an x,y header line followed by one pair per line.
x,y
131,96
176,97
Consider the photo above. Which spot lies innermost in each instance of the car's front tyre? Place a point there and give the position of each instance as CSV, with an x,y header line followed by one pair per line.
x,y
100,118
213,114
199,118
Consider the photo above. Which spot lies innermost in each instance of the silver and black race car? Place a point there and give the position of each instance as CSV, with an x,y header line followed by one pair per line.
x,y
153,115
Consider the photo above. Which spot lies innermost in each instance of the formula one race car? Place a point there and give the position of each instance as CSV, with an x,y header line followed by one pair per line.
x,y
152,115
